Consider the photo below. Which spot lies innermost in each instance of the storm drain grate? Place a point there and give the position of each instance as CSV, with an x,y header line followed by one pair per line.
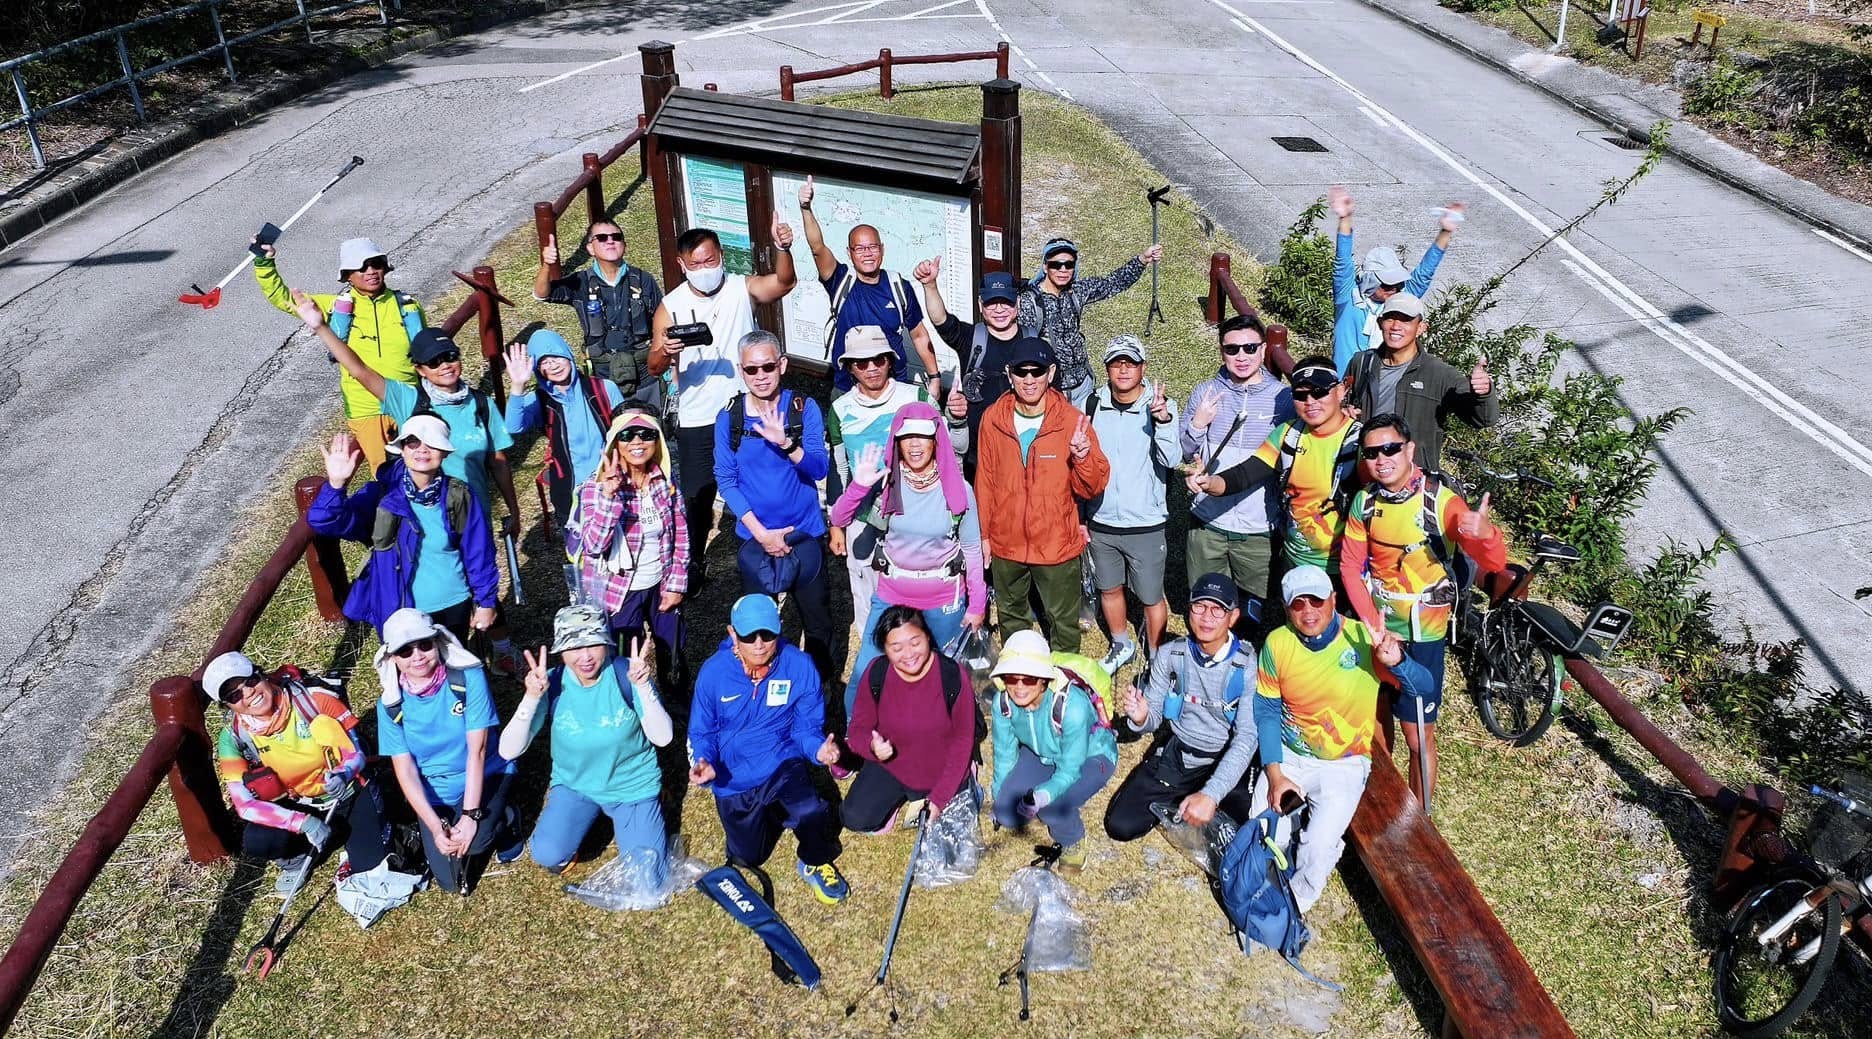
x,y
1300,144
1622,141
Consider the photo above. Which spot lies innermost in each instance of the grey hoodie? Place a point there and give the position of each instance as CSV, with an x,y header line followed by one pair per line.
x,y
1203,726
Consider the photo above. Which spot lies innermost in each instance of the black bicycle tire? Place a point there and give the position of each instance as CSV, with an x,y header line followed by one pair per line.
x,y
1727,953
1497,649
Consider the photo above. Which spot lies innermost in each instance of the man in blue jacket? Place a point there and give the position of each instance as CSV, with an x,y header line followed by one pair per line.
x,y
756,719
1357,294
770,453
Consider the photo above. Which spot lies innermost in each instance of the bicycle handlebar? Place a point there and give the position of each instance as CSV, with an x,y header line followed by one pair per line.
x,y
1842,800
1501,475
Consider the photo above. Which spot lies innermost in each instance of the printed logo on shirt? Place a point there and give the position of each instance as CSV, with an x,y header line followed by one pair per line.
x,y
778,691
731,699
1348,661
459,709
1416,385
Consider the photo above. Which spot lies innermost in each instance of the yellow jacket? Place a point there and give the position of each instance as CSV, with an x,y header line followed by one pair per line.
x,y
377,335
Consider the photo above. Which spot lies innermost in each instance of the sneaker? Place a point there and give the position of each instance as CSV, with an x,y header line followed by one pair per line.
x,y
840,772
1121,651
294,873
912,813
827,883
1072,860
510,830
504,665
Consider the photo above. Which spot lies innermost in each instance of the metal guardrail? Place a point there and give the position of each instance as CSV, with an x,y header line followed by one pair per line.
x,y
31,115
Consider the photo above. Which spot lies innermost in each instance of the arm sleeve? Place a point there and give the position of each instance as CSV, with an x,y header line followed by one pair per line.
x,y
352,762
1091,473
1162,681
913,307
522,411
1344,275
563,289
1029,309
815,461
336,514
231,767
1490,553
1410,676
390,740
728,471
527,721
959,335
1419,284
1075,743
845,509
960,749
652,715
1268,710
1256,467
702,722
841,458
1354,554
974,564
1165,438
1188,440
1479,410
676,575
266,273
1006,744
1092,290
598,523
399,401
809,727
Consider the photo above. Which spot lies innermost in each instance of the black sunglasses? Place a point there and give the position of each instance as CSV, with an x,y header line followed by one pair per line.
x,y
231,693
869,362
1231,349
607,236
1381,450
756,636
1311,392
445,357
760,369
376,263
631,433
404,651
1061,265
1027,371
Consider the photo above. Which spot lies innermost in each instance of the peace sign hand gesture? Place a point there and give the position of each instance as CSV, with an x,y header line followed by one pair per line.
x,y
1205,411
642,664
610,477
535,679
1160,405
1081,443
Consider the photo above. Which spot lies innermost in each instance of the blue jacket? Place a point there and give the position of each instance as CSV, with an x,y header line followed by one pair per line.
x,y
748,729
383,586
1353,310
761,480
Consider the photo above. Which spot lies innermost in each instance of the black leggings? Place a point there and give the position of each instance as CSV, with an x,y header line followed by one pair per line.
x,y
872,797
361,822
1163,778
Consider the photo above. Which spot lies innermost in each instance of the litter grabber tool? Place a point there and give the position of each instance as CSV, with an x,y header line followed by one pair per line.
x,y
1156,198
265,952
903,901
208,299
513,569
728,886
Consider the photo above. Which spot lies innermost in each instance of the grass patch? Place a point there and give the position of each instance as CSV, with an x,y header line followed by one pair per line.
x,y
1562,837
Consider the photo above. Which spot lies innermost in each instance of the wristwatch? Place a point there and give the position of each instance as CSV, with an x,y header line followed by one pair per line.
x,y
477,814
805,207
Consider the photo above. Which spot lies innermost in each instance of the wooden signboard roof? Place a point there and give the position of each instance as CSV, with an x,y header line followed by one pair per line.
x,y
927,152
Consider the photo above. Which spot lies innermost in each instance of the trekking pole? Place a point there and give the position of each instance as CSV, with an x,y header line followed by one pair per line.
x,y
1155,198
211,298
903,901
1423,756
1045,858
513,569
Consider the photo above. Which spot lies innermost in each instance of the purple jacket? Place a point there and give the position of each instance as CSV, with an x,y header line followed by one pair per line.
x,y
383,586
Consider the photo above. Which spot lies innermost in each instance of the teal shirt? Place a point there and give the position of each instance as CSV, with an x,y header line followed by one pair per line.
x,y
598,744
474,447
440,581
1080,738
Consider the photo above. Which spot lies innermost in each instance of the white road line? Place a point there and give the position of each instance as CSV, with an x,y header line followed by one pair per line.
x,y
1243,26
1373,116
1798,415
568,75
995,24
756,24
933,10
856,10
1844,244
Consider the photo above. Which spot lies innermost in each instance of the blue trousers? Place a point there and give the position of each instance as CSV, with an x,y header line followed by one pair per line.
x,y
753,820
569,815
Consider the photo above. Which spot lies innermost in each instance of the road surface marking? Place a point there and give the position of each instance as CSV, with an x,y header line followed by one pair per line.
x,y
1373,116
1798,415
568,75
1844,244
995,24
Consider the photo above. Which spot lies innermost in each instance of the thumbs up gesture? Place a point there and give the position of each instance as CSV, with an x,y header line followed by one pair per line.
x,y
806,192
881,747
1081,443
1474,523
1479,380
549,253
828,751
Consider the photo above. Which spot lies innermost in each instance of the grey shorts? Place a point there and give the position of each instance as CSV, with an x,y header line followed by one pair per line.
x,y
1133,560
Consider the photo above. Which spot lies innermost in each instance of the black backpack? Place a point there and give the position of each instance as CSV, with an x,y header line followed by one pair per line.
x,y
794,416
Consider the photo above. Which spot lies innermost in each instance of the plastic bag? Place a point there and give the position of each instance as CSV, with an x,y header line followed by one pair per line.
x,y
1088,593
975,651
952,846
1057,937
635,880
1203,845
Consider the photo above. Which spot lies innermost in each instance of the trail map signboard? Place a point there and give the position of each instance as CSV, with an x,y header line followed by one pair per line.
x,y
716,196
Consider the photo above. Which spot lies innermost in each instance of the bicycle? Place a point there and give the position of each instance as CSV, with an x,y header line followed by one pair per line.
x,y
1782,938
1514,660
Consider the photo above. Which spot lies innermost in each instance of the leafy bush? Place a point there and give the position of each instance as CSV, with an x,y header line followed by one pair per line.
x,y
1724,93
1298,290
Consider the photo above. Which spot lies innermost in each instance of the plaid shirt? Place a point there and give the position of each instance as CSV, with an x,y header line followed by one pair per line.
x,y
596,520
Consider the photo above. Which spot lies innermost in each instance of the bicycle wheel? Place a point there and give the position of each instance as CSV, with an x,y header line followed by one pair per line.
x,y
1519,687
1760,989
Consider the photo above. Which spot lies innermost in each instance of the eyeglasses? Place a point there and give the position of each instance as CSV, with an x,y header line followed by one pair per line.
x,y
631,433
760,369
1022,680
1231,349
1311,392
1027,371
756,636
445,357
1061,265
867,249
1310,602
403,652
1381,450
608,236
1209,606
376,263
879,361
230,697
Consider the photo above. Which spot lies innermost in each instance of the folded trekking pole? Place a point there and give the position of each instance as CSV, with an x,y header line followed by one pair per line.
x,y
903,900
1423,756
1155,198
210,298
513,569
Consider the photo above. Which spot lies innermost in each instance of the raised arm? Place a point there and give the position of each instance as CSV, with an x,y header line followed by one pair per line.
x,y
823,260
308,310
926,274
770,288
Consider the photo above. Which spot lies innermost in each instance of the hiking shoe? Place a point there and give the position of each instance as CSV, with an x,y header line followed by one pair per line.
x,y
294,873
1121,651
912,813
1072,860
510,830
827,883
504,665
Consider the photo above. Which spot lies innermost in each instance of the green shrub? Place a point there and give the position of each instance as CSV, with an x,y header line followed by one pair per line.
x,y
1724,93
1298,290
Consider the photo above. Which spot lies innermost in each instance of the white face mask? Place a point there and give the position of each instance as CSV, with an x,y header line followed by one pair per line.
x,y
705,279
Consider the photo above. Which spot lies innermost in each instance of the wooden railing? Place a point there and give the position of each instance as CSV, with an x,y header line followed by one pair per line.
x,y
1224,293
884,62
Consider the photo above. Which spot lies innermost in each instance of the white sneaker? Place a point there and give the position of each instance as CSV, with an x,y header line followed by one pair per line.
x,y
294,873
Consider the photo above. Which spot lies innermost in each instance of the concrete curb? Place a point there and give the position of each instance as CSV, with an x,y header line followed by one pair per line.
x,y
1631,108
140,149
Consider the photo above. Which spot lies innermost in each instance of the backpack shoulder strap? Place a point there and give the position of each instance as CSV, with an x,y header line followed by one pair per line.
x,y
1289,450
874,679
951,673
620,670
457,506
737,418
1432,520
1091,405
898,297
244,743
839,295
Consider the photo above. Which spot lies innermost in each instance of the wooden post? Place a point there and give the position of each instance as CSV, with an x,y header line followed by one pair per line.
x,y
493,340
786,82
659,78
1001,171
546,225
206,823
1215,305
884,73
324,560
594,188
761,205
1001,60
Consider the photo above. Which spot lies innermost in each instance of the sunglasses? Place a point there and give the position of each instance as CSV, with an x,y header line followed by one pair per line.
x,y
1381,450
376,263
1311,602
607,236
1231,349
631,433
445,357
1027,371
408,442
404,651
1312,392
1022,680
230,696
1061,265
879,361
756,636
760,369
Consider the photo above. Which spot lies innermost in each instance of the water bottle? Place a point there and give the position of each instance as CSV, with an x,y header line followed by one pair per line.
x,y
342,306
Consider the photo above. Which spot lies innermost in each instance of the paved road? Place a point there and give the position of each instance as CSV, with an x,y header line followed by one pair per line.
x,y
133,431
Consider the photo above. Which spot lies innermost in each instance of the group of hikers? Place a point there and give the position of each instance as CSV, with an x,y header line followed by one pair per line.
x,y
1324,552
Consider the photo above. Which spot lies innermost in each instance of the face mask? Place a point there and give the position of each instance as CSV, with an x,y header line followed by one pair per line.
x,y
705,279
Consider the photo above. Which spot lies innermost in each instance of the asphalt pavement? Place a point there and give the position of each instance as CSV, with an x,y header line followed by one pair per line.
x,y
134,431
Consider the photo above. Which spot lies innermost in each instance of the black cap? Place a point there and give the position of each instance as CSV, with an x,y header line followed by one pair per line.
x,y
429,344
1315,376
1030,350
998,286
1215,588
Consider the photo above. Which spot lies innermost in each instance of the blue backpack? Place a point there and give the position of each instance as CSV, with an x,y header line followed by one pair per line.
x,y
1258,897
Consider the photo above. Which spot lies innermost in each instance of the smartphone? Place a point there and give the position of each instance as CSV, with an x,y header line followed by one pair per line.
x,y
267,236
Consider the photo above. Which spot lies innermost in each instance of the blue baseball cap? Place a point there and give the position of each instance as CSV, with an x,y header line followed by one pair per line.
x,y
1030,350
755,612
998,287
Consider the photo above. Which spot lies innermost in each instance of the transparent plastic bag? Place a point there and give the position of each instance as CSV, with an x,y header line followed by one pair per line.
x,y
952,846
975,651
1057,937
1203,845
635,880
1088,593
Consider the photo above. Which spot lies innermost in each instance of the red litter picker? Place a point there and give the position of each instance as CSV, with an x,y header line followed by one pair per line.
x,y
211,298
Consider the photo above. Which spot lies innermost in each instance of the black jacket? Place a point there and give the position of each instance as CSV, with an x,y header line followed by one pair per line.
x,y
1428,393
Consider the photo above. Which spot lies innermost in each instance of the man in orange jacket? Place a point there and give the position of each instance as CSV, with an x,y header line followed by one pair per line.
x,y
1037,460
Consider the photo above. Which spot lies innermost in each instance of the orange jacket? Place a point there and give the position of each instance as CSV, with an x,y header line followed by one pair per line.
x,y
1030,511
